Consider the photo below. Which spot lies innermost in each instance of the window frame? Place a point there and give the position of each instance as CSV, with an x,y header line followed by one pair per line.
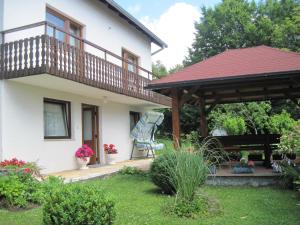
x,y
125,55
67,25
67,105
136,117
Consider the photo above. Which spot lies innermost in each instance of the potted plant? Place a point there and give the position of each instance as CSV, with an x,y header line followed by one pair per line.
x,y
110,152
83,155
244,167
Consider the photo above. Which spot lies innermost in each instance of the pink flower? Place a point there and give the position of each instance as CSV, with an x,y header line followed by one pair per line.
x,y
84,151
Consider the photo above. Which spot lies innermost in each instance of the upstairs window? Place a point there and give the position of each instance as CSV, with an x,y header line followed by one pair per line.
x,y
65,24
132,59
57,119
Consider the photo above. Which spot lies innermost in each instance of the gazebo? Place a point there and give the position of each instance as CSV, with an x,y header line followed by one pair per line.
x,y
240,75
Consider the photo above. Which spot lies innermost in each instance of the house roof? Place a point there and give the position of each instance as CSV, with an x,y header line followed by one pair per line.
x,y
260,61
134,22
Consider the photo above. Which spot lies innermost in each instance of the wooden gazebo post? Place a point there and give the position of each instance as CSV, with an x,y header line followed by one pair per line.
x,y
175,117
203,120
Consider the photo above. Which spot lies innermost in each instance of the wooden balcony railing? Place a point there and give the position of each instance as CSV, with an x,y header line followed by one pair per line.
x,y
46,54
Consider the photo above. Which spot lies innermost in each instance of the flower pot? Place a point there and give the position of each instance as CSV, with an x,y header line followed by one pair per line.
x,y
110,159
82,162
242,169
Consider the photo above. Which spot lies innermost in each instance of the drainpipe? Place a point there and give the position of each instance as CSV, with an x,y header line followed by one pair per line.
x,y
157,51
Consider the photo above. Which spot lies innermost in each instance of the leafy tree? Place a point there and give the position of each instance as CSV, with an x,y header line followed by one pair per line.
x,y
159,70
175,68
254,114
238,24
280,123
234,125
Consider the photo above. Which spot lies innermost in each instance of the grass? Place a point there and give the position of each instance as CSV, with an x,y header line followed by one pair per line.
x,y
139,202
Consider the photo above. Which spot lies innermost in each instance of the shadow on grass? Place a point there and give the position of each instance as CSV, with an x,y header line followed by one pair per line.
x,y
156,191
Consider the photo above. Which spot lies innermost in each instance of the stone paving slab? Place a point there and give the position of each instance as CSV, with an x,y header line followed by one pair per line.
x,y
101,171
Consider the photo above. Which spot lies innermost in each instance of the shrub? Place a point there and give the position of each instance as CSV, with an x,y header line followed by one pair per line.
x,y
159,171
201,206
290,140
78,204
129,170
12,192
17,190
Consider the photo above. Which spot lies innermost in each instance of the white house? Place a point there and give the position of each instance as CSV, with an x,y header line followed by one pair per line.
x,y
71,72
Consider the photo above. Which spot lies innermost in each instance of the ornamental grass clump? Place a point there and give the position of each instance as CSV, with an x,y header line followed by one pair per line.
x,y
187,172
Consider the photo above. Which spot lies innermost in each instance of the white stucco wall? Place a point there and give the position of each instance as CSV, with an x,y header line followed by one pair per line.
x,y
1,13
102,25
1,108
22,121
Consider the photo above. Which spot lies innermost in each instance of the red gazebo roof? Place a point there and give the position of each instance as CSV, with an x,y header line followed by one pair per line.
x,y
237,63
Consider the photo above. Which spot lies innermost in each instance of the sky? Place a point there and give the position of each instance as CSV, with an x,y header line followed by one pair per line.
x,y
172,21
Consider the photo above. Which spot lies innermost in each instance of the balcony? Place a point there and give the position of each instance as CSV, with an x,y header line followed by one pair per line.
x,y
24,54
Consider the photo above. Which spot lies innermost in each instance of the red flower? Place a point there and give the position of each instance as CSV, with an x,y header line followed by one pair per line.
x,y
110,149
251,163
27,170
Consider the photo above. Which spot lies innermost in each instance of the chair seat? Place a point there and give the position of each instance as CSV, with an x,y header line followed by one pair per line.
x,y
143,146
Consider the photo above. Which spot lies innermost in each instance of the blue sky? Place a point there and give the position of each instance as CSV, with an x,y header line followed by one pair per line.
x,y
155,8
172,21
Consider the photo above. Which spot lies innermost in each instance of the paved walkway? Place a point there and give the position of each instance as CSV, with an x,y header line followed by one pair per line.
x,y
101,171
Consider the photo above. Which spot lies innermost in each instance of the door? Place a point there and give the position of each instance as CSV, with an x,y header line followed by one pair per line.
x,y
90,130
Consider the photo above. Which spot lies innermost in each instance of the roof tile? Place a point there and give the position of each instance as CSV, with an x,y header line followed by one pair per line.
x,y
237,62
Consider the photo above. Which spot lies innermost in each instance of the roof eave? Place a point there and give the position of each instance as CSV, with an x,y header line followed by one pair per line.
x,y
113,5
249,77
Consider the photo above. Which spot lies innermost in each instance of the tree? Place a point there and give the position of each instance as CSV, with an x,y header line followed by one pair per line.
x,y
159,70
175,68
255,114
238,24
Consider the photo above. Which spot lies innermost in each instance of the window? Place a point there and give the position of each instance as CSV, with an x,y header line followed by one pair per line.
x,y
132,59
57,119
64,23
134,118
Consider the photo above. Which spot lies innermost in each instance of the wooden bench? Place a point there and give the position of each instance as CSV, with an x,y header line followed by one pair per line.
x,y
260,142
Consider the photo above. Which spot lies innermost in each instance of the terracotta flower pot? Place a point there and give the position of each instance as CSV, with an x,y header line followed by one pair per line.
x,y
110,159
82,162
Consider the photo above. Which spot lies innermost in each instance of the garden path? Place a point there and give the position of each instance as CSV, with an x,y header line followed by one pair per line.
x,y
101,171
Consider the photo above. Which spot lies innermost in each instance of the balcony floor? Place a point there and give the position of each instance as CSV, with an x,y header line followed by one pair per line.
x,y
69,86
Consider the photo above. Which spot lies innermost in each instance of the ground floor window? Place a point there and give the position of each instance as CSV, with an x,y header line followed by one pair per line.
x,y
134,118
57,119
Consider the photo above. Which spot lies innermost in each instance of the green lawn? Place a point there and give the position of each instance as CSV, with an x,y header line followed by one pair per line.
x,y
138,202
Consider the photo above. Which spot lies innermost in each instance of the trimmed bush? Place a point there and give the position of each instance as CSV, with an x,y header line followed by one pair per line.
x,y
78,204
160,174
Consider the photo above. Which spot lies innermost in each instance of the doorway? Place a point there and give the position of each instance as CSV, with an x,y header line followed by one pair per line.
x,y
90,130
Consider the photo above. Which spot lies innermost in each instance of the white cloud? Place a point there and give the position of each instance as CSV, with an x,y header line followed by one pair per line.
x,y
176,27
133,9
